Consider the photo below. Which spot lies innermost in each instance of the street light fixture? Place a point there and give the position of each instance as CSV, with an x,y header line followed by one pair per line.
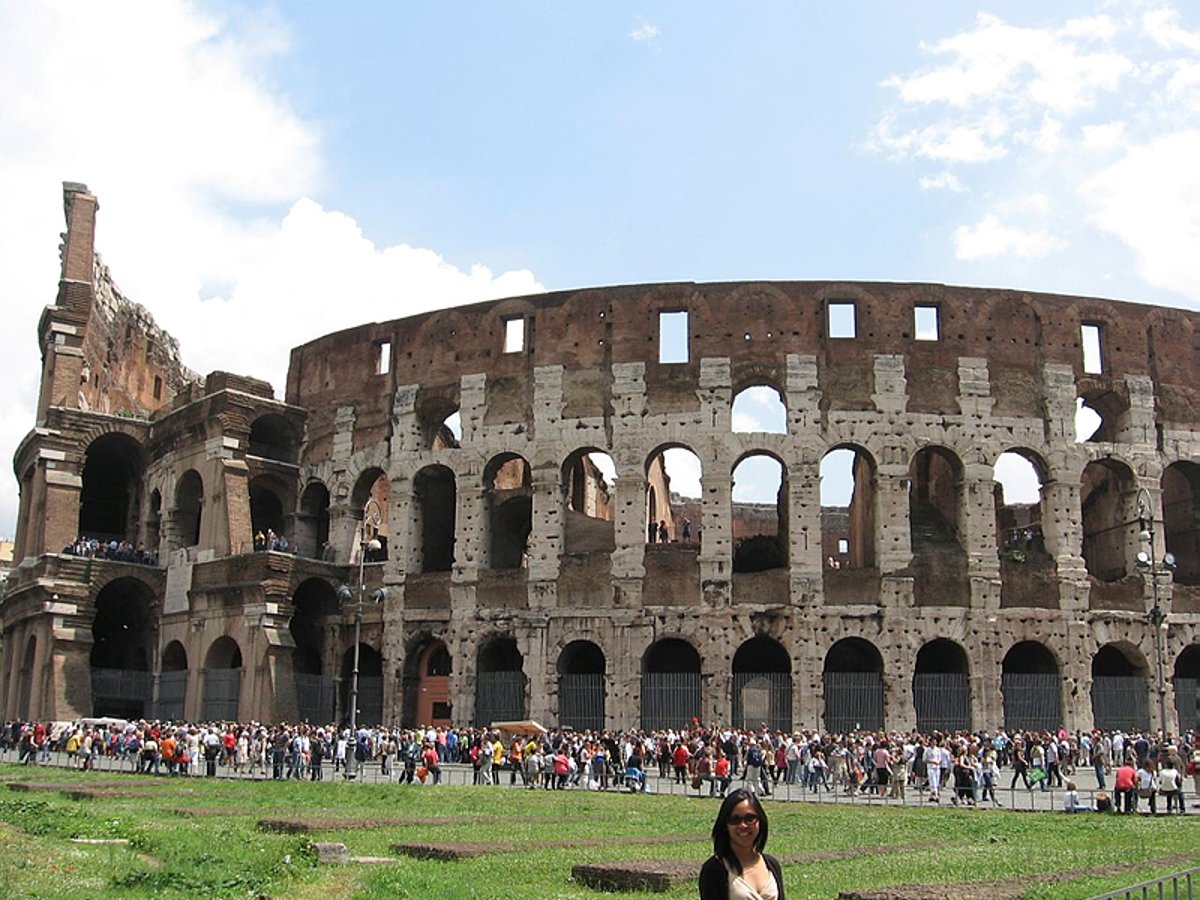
x,y
368,540
1148,562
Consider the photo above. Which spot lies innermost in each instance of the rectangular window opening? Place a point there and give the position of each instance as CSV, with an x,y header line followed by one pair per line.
x,y
1093,360
925,323
383,364
157,387
673,336
514,335
843,319
843,546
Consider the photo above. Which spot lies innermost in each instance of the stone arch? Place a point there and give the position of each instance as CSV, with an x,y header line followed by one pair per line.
x,y
1109,407
314,610
759,529
1187,688
762,685
222,681
431,704
110,497
1108,501
172,682
848,508
372,484
666,505
853,681
312,522
1120,691
189,508
1031,685
935,521
273,437
500,682
269,510
123,638
588,502
758,407
508,495
942,687
439,417
370,685
670,684
435,505
1181,519
581,671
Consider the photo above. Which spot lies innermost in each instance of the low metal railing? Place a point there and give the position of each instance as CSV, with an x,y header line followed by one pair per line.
x,y
1177,886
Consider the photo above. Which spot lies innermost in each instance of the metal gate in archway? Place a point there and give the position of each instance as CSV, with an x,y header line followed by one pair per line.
x,y
1032,702
1120,701
172,692
499,697
1187,703
581,701
853,701
315,696
762,698
670,699
942,701
221,690
121,692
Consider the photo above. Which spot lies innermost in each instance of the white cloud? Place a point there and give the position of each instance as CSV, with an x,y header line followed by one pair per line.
x,y
1162,25
202,171
645,32
942,181
1105,137
991,238
1150,199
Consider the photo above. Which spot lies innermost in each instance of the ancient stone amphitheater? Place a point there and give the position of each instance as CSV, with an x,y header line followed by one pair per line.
x,y
558,493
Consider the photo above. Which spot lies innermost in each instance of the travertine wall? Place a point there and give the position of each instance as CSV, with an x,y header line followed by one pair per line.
x,y
927,569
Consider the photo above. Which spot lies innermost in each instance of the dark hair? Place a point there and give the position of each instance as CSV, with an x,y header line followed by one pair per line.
x,y
720,831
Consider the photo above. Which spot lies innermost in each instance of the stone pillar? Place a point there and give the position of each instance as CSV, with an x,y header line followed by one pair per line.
x,y
716,536
545,541
405,544
891,386
406,428
893,540
804,529
470,526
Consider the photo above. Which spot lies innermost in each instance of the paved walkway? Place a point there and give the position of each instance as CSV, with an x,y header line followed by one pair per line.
x,y
462,774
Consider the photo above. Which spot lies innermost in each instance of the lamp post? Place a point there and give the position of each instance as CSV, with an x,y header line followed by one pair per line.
x,y
1147,560
368,540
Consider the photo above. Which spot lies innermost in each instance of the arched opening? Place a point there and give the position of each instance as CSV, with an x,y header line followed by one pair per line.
x,y
222,681
1018,483
1098,415
588,477
314,611
942,688
847,515
435,503
509,502
762,685
373,484
172,682
499,683
312,523
673,476
370,686
934,512
272,437
268,520
189,508
1187,689
853,681
1031,685
434,668
670,685
1120,693
447,434
758,409
581,668
1110,523
122,646
109,499
25,680
759,511
1181,519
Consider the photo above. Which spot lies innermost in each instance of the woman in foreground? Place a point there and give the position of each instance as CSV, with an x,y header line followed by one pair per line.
x,y
738,869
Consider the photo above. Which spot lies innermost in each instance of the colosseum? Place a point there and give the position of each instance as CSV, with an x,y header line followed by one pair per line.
x,y
509,473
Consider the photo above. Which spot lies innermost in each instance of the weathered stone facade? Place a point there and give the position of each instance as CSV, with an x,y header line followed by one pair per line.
x,y
521,581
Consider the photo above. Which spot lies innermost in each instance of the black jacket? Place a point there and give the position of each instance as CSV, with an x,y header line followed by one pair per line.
x,y
714,878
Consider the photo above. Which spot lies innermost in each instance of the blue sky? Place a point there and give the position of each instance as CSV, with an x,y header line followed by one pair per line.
x,y
271,172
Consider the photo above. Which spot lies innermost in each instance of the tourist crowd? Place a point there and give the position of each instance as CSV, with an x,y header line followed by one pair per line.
x,y
963,768
120,551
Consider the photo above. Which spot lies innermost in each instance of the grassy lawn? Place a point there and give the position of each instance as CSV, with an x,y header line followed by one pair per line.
x,y
192,836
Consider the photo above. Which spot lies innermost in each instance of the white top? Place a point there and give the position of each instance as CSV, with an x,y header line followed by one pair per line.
x,y
740,890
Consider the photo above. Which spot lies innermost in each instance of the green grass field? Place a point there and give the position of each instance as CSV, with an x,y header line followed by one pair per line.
x,y
196,837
